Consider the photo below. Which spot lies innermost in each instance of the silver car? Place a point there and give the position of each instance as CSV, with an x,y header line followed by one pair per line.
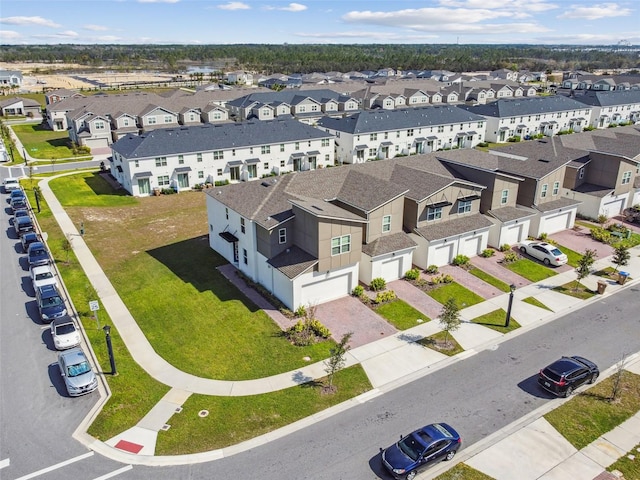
x,y
547,253
64,333
76,372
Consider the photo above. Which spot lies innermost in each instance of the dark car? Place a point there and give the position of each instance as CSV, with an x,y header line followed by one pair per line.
x,y
18,214
27,239
563,376
17,193
23,224
50,303
37,254
420,449
19,204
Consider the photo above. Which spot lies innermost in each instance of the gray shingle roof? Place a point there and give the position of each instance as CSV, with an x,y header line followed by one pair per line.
x,y
383,120
293,261
517,107
388,243
609,99
356,191
508,214
172,141
556,204
456,226
290,97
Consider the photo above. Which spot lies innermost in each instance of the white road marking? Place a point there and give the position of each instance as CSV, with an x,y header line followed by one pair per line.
x,y
4,463
115,472
56,466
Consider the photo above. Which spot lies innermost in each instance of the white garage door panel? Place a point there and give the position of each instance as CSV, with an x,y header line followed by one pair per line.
x,y
391,269
512,234
612,209
471,246
441,255
556,224
325,290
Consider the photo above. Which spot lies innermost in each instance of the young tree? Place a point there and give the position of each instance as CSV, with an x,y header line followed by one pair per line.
x,y
584,265
621,255
66,247
337,359
450,318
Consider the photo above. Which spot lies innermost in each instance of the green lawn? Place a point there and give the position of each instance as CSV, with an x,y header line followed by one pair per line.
x,y
88,189
629,468
437,342
589,415
232,420
531,270
464,297
573,257
44,144
496,320
463,471
575,289
490,279
400,314
536,303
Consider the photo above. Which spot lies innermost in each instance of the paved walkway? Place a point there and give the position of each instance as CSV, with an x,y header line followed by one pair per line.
x,y
391,361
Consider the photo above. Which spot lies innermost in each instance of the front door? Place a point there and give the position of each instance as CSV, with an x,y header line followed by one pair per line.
x,y
183,180
143,186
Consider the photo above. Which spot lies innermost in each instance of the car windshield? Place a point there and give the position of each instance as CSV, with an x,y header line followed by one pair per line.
x,y
65,328
44,275
411,447
78,369
556,252
38,252
552,375
52,302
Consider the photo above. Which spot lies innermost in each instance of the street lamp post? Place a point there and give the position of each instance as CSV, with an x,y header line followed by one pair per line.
x,y
112,361
512,288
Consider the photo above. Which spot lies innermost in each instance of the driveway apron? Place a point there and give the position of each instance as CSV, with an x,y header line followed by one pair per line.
x,y
416,298
492,267
471,282
580,240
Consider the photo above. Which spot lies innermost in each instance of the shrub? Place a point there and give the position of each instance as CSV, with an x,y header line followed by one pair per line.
x,y
589,128
514,139
286,312
319,329
378,284
601,234
442,279
432,269
301,311
542,237
460,260
412,274
505,247
220,183
488,252
602,219
384,297
167,191
358,291
483,144
510,257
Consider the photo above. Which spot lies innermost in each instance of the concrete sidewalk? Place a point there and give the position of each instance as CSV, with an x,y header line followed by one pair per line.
x,y
389,362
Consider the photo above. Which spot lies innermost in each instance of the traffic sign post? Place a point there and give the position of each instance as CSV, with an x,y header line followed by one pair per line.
x,y
94,306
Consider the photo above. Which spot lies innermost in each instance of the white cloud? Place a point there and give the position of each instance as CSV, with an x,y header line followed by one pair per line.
x,y
234,6
95,28
369,35
158,1
294,7
9,35
108,39
28,21
514,5
66,35
604,10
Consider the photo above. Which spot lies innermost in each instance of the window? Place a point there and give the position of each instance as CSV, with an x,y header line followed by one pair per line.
x,y
233,152
226,213
168,119
244,256
217,115
199,157
200,174
242,227
325,142
282,147
265,149
136,163
297,146
434,213
309,143
386,223
327,158
163,180
340,244
161,162
464,206
252,170
556,188
99,125
282,236
265,166
626,178
152,120
581,173
125,122
440,128
180,159
373,152
410,132
218,155
504,198
373,136
283,163
219,172
543,191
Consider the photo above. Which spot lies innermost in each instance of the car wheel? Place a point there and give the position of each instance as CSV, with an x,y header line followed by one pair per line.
x,y
593,378
569,391
450,455
546,262
523,249
411,475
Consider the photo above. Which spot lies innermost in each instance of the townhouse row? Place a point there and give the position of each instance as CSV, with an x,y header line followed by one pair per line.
x,y
312,236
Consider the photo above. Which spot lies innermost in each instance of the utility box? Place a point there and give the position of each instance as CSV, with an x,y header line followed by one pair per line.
x,y
622,277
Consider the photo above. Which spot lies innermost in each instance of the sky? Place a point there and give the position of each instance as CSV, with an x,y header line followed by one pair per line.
x,y
573,22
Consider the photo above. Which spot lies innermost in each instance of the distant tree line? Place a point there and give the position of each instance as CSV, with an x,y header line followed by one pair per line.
x,y
289,59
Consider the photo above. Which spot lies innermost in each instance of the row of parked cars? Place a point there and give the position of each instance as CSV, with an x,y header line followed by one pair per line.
x,y
74,366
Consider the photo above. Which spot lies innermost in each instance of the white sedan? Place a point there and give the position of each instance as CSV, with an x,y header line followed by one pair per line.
x,y
43,275
64,333
547,253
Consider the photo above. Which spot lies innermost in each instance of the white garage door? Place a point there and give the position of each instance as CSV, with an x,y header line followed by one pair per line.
x,y
441,255
391,269
613,208
471,246
556,223
325,290
513,234
97,143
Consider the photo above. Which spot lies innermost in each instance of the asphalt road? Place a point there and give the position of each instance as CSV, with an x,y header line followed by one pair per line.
x,y
478,396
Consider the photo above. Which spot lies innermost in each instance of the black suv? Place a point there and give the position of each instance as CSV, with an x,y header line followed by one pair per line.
x,y
563,376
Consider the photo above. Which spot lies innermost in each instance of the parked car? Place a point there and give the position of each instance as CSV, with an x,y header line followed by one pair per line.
x,y
420,449
18,214
547,253
27,239
18,204
22,224
37,254
10,184
563,376
64,333
76,372
16,193
42,275
50,303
